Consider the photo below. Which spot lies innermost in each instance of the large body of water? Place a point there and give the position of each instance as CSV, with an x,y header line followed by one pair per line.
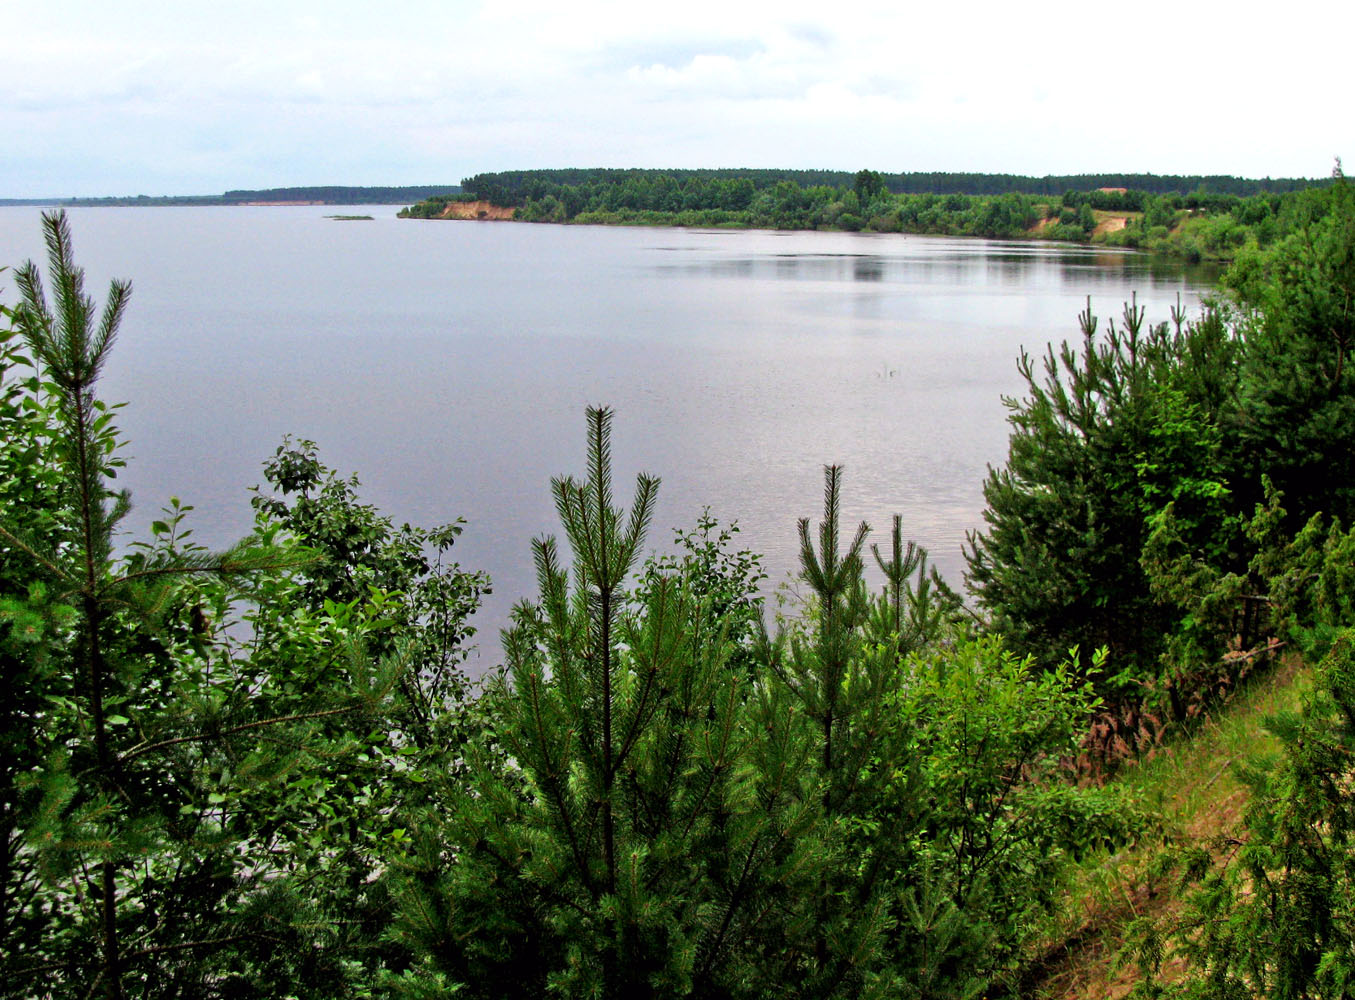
x,y
449,365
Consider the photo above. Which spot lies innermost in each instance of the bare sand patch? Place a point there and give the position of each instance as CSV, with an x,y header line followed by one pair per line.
x,y
475,210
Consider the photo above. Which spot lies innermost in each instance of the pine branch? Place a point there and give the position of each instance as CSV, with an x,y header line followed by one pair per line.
x,y
42,560
216,566
94,986
547,889
639,717
735,898
555,789
142,749
204,943
641,513
12,974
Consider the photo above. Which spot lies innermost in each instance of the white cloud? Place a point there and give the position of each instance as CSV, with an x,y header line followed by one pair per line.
x,y
116,98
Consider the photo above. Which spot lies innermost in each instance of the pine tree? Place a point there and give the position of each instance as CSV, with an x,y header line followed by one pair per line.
x,y
916,604
653,806
1297,420
843,670
33,628
1275,917
151,869
1110,433
839,685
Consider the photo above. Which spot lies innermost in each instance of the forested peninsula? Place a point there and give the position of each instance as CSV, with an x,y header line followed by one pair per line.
x,y
1190,217
263,772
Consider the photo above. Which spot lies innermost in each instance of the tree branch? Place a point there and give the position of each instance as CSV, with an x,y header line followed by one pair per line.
x,y
143,749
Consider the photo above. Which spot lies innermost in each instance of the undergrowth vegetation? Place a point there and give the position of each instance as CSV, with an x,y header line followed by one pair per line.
x,y
262,772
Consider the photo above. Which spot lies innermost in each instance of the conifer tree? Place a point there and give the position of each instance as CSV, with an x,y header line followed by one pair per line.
x,y
842,671
1275,918
916,604
1297,420
151,871
32,627
654,805
838,684
1110,432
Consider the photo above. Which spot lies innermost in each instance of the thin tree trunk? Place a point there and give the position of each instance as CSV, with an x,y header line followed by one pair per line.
x,y
108,871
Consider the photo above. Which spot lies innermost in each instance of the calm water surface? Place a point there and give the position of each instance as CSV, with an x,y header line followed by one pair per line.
x,y
449,365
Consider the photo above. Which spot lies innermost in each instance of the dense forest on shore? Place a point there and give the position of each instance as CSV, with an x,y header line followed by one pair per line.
x,y
262,772
1195,218
515,187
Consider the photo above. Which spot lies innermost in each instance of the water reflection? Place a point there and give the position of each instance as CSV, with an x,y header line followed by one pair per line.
x,y
449,365
930,260
868,269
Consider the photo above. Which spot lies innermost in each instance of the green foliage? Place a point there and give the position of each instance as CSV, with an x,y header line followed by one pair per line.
x,y
868,186
652,808
995,822
1268,914
359,555
839,684
1108,435
939,758
1298,401
328,195
722,580
1276,918
517,187
393,587
262,772
1195,218
1133,511
35,635
916,605
146,849
1295,588
680,805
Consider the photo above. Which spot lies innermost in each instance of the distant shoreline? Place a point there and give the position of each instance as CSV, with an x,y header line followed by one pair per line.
x,y
252,198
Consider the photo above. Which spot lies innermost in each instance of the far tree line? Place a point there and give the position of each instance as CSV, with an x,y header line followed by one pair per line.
x,y
514,187
1193,218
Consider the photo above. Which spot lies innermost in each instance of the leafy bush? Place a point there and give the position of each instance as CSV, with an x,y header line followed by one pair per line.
x,y
205,738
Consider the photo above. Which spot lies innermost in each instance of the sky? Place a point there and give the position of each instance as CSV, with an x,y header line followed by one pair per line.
x,y
126,98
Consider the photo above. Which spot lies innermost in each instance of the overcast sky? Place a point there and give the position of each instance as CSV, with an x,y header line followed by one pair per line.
x,y
132,97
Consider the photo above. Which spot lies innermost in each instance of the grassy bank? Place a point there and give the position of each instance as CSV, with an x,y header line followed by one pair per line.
x,y
1194,785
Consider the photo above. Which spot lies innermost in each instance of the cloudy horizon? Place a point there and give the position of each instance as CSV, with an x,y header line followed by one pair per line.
x,y
175,99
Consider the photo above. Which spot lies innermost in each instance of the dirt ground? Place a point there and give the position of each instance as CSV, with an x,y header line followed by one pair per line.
x,y
475,210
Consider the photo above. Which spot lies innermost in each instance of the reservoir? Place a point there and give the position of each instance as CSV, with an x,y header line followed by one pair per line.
x,y
448,364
